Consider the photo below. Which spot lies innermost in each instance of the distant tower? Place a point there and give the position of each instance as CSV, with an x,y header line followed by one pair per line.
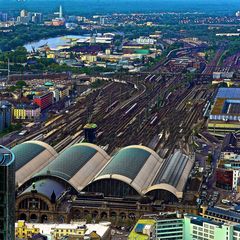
x,y
60,12
23,13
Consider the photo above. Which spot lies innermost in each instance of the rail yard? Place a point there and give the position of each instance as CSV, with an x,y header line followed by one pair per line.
x,y
159,109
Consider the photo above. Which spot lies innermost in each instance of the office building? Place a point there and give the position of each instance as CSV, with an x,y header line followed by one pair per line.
x,y
225,215
102,21
37,18
24,17
26,111
5,115
3,17
228,171
196,227
44,101
7,194
169,226
188,227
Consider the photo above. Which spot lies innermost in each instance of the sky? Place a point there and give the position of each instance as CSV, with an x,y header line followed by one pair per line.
x,y
109,6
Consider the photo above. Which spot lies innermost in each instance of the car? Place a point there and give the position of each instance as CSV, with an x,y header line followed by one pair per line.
x,y
225,201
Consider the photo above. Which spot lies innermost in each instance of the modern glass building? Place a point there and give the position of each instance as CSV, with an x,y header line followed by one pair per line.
x,y
7,194
169,227
188,227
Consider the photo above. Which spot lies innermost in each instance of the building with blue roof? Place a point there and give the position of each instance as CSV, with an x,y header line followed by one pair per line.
x,y
225,215
225,113
172,225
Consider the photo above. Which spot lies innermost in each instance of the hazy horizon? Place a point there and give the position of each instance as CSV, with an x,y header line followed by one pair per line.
x,y
103,6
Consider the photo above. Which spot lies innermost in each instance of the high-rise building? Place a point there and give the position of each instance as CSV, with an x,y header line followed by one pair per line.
x,y
37,18
169,226
44,101
60,12
24,17
5,115
102,21
23,13
3,17
7,194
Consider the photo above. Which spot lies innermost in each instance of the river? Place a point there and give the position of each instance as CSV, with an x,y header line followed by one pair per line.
x,y
53,43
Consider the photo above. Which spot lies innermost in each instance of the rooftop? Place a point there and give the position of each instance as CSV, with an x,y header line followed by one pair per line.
x,y
90,125
31,157
234,215
78,164
46,229
231,142
227,103
172,169
137,232
230,93
134,165
198,220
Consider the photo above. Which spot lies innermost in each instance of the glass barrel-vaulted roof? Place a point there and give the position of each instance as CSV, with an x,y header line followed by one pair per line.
x,y
46,187
30,158
68,163
127,162
172,169
25,152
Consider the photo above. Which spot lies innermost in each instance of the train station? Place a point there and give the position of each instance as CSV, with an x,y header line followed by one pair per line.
x,y
84,180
